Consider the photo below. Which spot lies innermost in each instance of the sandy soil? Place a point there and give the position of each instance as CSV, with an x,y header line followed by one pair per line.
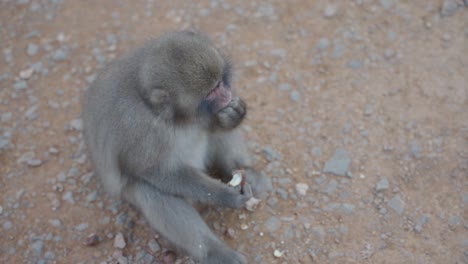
x,y
382,83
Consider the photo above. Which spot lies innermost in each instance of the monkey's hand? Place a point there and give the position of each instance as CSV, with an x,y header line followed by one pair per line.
x,y
232,115
234,199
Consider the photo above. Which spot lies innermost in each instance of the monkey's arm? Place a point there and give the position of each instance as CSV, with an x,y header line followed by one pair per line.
x,y
191,183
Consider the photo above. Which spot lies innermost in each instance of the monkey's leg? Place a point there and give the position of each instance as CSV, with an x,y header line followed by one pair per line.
x,y
227,153
180,223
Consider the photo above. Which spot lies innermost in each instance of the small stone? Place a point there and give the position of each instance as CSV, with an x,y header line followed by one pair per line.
x,y
316,151
272,224
448,8
382,185
7,225
34,162
20,85
68,197
388,54
338,50
55,222
415,149
397,204
91,197
77,124
6,117
330,187
368,110
355,64
348,208
32,49
36,247
421,222
453,221
282,193
338,164
153,246
119,241
49,255
270,154
294,96
284,86
59,55
330,11
301,189
281,53
251,204
387,3
26,74
278,253
81,227
319,232
322,44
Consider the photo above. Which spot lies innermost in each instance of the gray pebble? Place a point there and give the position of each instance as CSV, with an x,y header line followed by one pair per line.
x,y
454,221
55,222
119,241
421,222
111,39
368,110
294,96
389,53
284,181
397,204
338,50
465,198
355,64
59,55
319,232
49,255
330,187
338,164
272,224
281,53
270,154
273,201
6,117
68,197
153,246
301,188
382,185
282,193
387,3
348,208
32,49
7,225
36,247
284,86
316,151
448,8
121,218
20,85
77,124
415,149
91,197
81,227
330,11
322,44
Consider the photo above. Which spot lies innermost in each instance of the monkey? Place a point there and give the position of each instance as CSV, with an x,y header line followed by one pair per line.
x,y
161,126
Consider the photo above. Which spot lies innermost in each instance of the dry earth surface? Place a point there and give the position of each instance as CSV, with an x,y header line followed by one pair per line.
x,y
358,113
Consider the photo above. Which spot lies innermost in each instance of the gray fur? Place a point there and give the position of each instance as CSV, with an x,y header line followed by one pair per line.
x,y
152,145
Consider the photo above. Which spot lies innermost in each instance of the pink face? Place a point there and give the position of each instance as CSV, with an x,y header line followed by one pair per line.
x,y
220,96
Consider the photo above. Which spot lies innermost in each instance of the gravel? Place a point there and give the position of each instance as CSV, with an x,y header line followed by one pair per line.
x,y
322,44
36,247
449,7
294,96
272,224
397,204
59,55
7,225
270,154
81,227
55,222
119,241
20,85
68,197
32,49
301,189
382,185
154,246
338,164
421,222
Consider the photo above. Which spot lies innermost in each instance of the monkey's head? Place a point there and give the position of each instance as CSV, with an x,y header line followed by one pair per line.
x,y
186,71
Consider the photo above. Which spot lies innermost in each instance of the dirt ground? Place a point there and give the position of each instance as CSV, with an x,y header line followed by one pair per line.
x,y
358,112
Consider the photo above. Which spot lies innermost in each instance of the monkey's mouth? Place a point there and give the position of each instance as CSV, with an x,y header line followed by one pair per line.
x,y
220,95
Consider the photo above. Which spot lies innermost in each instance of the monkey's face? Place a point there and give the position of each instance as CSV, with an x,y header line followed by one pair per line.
x,y
219,97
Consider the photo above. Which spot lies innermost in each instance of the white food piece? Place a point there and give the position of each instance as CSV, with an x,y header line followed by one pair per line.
x,y
236,179
278,253
251,204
